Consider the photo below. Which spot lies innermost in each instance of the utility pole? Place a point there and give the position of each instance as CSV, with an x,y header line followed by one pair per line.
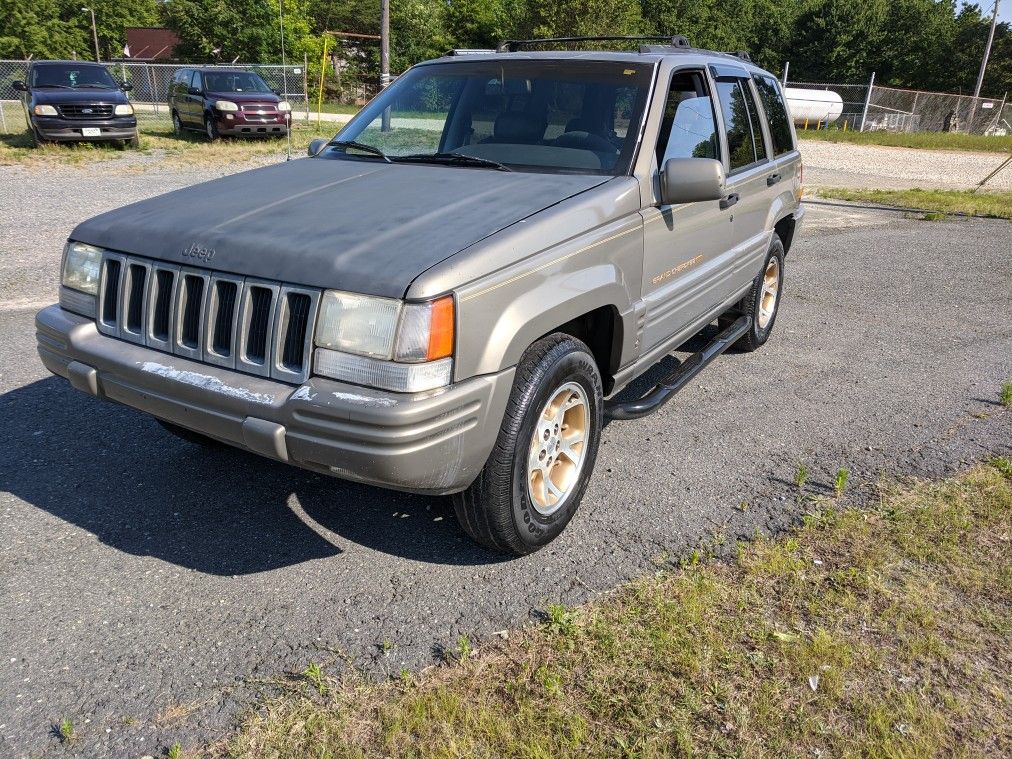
x,y
94,34
987,51
384,43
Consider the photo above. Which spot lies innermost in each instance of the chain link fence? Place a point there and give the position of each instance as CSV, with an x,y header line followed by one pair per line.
x,y
150,88
872,107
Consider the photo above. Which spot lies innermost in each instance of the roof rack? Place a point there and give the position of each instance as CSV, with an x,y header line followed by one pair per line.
x,y
468,51
742,54
512,46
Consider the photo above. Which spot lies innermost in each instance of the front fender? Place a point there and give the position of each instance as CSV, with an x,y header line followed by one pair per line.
x,y
499,319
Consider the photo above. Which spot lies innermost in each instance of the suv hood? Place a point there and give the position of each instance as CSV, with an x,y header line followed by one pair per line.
x,y
359,225
55,95
244,97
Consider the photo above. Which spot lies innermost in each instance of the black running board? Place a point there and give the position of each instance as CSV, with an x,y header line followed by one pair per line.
x,y
693,365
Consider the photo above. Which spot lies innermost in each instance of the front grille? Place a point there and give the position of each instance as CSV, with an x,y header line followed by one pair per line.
x,y
250,325
85,111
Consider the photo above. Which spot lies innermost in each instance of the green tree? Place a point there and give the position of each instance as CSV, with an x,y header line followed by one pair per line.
x,y
247,30
60,29
838,40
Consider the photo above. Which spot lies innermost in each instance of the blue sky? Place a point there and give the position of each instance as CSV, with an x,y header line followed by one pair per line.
x,y
1004,8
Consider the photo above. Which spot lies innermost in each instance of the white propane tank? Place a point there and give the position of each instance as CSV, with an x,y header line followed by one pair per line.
x,y
813,106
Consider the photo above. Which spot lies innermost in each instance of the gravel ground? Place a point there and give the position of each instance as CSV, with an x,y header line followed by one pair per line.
x,y
837,164
151,588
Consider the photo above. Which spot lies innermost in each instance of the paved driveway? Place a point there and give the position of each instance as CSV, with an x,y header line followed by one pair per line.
x,y
150,586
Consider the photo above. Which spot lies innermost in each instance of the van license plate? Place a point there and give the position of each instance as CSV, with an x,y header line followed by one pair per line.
x,y
90,132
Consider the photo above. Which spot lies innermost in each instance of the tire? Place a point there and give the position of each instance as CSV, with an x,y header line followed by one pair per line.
x,y
757,303
134,142
177,125
510,507
189,435
211,128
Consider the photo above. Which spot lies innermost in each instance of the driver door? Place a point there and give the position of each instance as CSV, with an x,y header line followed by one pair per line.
x,y
687,248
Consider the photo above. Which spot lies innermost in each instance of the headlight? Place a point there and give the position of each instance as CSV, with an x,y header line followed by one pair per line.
x,y
284,105
81,266
225,105
385,343
45,110
124,109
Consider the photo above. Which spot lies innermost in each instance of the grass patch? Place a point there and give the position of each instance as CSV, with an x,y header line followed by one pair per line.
x,y
924,140
991,204
158,140
881,633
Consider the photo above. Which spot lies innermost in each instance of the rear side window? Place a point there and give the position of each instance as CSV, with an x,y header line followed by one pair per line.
x,y
688,129
744,136
776,114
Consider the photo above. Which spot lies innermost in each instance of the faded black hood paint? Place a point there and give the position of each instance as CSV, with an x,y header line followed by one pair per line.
x,y
358,225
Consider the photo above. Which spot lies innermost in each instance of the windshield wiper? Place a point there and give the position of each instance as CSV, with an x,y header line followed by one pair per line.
x,y
454,159
372,150
60,86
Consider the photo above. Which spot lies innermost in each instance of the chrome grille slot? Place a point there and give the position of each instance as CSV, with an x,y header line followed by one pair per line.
x,y
134,297
222,319
193,297
259,304
109,294
192,290
162,286
250,325
224,323
296,316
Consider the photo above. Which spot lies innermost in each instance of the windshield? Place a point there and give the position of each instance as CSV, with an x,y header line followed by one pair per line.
x,y
570,115
72,76
233,81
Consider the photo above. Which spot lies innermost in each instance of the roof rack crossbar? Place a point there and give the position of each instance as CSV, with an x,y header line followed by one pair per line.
x,y
512,46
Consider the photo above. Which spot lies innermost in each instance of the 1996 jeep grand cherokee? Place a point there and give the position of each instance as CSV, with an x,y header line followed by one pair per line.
x,y
441,299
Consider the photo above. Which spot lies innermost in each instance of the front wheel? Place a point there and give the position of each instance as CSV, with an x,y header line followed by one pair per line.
x,y
211,128
177,125
535,477
134,142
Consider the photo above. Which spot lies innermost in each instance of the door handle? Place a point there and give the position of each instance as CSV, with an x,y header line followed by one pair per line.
x,y
772,179
729,201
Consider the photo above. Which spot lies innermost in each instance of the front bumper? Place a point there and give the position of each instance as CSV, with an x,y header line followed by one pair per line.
x,y
433,442
240,123
69,130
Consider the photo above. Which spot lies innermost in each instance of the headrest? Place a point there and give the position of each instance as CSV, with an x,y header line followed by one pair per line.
x,y
515,126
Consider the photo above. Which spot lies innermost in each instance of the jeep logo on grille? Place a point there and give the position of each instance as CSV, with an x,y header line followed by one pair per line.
x,y
199,252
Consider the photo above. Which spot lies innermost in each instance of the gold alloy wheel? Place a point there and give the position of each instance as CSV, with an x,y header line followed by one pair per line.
x,y
770,292
557,448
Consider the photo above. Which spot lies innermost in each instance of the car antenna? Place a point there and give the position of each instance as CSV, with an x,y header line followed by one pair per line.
x,y
284,75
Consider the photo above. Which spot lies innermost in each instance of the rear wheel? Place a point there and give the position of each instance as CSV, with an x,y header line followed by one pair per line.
x,y
763,299
535,477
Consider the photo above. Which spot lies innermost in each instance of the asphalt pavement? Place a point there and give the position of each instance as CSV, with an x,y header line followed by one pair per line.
x,y
152,589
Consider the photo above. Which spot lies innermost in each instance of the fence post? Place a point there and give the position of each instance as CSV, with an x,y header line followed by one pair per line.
x,y
787,67
305,83
151,85
867,100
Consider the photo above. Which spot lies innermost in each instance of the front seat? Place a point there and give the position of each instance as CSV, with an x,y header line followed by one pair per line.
x,y
518,128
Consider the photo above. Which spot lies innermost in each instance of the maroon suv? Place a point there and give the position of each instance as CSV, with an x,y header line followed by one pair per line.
x,y
226,102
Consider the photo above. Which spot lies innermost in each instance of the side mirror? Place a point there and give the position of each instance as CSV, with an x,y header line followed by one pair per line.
x,y
691,180
126,86
194,91
19,86
316,146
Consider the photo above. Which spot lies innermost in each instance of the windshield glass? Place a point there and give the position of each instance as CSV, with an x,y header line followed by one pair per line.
x,y
72,75
234,81
529,115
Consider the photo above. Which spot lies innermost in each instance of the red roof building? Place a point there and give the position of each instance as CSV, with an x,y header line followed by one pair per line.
x,y
150,43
